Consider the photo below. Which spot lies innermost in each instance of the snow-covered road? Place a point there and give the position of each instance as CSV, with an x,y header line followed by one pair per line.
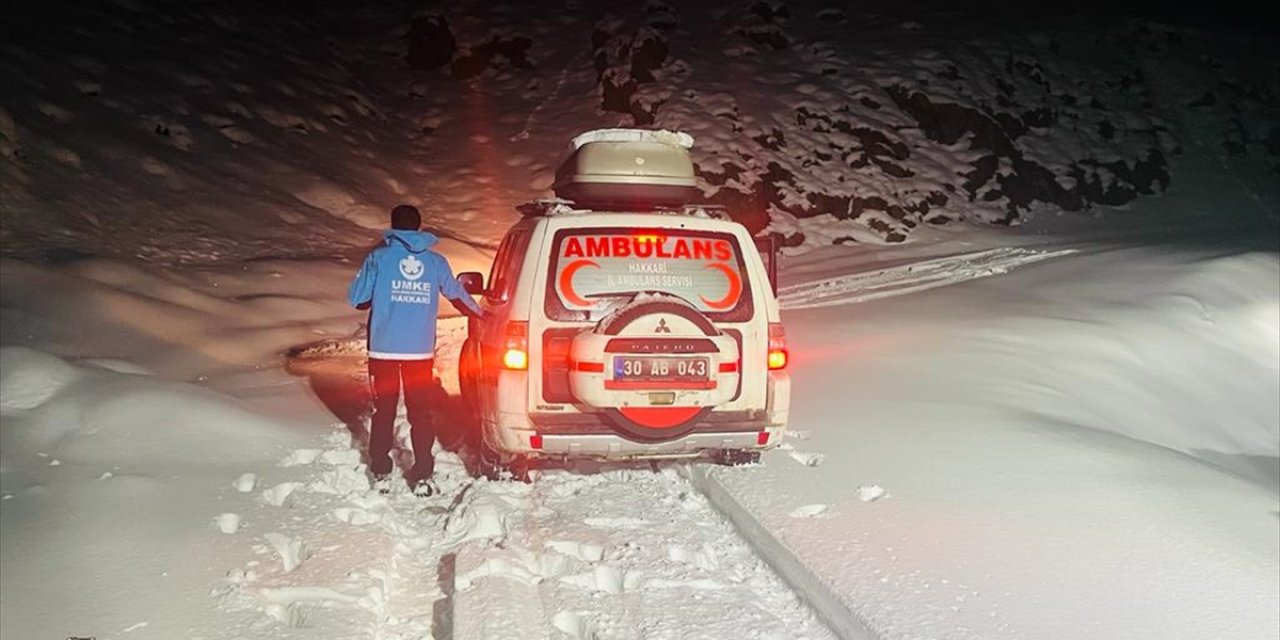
x,y
590,552
914,276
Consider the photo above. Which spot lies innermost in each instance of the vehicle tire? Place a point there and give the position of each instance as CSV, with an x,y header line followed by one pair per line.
x,y
489,463
497,467
521,469
468,380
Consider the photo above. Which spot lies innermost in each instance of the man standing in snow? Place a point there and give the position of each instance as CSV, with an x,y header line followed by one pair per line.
x,y
402,282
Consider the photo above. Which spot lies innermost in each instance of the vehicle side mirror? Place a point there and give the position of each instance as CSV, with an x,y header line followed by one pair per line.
x,y
472,281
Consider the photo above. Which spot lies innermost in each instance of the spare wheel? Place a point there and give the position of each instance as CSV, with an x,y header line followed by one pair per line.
x,y
654,367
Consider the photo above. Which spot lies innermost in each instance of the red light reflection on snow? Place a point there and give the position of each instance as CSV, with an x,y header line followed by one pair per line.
x,y
485,160
808,354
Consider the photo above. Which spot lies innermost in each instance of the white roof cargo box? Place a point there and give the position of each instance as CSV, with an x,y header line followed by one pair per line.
x,y
628,168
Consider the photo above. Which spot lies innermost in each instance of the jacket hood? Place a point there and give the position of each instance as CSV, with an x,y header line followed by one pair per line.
x,y
414,241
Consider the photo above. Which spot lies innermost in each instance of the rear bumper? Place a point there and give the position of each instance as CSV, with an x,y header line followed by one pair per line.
x,y
589,435
614,447
594,424
510,429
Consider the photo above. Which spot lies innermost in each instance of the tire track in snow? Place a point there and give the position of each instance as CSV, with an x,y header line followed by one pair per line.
x,y
349,561
623,552
618,551
909,278
828,606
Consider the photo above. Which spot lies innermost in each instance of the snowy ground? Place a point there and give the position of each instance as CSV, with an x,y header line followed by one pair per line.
x,y
1013,452
263,531
1088,431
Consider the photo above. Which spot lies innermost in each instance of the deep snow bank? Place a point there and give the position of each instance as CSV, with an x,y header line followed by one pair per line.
x,y
96,414
113,486
1172,347
185,323
1182,355
1001,458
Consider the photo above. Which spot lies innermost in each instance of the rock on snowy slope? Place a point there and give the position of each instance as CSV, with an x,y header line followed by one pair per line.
x,y
166,134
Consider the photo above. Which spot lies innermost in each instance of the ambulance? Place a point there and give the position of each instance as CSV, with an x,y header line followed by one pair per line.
x,y
625,322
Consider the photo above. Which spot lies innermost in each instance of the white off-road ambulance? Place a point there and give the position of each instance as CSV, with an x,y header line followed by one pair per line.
x,y
625,322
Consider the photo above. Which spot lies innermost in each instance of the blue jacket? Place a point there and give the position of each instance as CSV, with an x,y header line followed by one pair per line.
x,y
403,280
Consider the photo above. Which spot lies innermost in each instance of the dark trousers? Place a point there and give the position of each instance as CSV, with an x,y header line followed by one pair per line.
x,y
385,377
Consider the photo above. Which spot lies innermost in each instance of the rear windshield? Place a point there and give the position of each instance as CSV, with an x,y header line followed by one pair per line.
x,y
593,267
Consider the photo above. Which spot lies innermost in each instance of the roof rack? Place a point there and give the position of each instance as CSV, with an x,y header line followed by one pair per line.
x,y
713,211
549,207
545,207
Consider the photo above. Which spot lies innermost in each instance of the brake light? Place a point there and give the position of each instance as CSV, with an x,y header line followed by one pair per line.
x,y
515,359
777,359
515,354
777,346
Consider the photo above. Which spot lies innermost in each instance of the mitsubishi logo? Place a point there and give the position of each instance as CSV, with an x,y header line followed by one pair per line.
x,y
662,327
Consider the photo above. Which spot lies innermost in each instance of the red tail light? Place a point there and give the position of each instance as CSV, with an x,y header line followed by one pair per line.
x,y
515,353
778,356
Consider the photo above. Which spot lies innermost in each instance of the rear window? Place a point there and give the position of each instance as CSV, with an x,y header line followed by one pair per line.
x,y
592,267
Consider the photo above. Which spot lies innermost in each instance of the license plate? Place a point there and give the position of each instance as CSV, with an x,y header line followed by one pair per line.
x,y
659,369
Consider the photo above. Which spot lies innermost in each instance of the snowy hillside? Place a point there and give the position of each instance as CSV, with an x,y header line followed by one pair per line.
x,y
220,136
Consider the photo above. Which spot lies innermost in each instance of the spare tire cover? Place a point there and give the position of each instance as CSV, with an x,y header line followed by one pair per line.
x,y
656,423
